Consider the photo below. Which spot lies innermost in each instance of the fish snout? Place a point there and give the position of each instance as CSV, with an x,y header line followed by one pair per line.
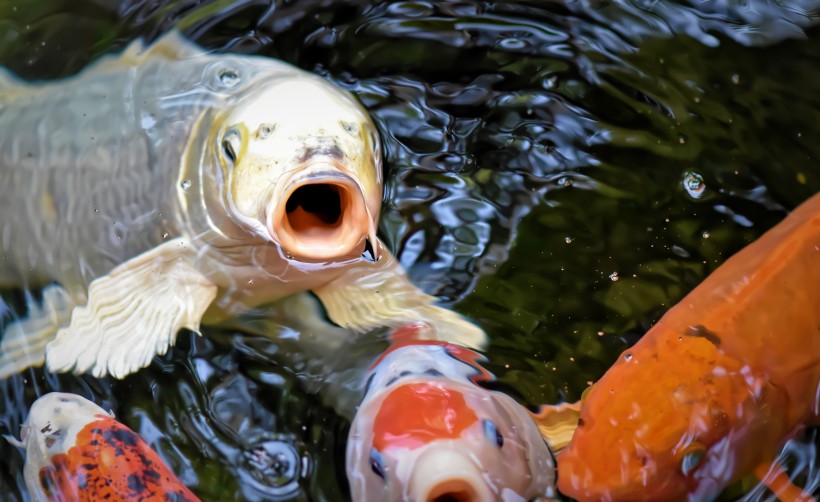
x,y
321,215
446,475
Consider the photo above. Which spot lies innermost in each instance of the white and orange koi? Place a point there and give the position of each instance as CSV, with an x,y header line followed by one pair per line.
x,y
76,451
427,431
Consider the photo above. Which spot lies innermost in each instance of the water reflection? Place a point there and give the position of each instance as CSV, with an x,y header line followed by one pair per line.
x,y
533,148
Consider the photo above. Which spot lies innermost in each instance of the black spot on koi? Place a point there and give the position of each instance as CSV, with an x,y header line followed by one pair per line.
x,y
702,332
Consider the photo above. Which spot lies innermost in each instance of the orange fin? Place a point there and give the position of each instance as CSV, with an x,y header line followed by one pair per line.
x,y
557,423
777,479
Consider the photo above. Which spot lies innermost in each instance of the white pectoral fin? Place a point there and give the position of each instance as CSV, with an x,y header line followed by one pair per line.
x,y
133,313
24,340
371,295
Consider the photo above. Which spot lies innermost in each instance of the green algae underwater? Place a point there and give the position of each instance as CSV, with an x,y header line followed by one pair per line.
x,y
560,172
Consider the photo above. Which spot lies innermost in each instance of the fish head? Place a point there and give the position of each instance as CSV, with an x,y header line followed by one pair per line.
x,y
51,428
53,423
301,163
436,439
668,423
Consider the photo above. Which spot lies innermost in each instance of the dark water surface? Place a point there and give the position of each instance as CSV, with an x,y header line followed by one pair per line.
x,y
561,172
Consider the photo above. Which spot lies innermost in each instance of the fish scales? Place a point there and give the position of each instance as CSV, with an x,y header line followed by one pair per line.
x,y
88,190
100,158
162,187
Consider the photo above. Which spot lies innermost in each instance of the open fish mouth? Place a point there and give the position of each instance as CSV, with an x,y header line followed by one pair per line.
x,y
454,490
320,215
444,475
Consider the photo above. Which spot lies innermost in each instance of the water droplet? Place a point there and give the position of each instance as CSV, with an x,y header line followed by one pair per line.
x,y
735,79
568,239
250,282
600,333
614,276
567,182
628,356
229,78
693,184
706,234
186,184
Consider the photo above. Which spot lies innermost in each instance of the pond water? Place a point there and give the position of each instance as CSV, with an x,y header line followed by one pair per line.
x,y
560,172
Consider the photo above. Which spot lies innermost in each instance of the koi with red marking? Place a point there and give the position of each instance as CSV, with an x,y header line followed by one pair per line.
x,y
427,431
75,451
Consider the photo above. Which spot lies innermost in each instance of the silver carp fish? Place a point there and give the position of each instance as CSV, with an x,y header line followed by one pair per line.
x,y
76,451
426,431
164,187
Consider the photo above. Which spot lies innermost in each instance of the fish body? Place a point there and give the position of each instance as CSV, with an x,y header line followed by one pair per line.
x,y
165,185
714,390
76,451
426,431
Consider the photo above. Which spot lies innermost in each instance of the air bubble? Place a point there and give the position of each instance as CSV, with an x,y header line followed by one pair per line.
x,y
229,78
613,276
271,467
693,184
186,184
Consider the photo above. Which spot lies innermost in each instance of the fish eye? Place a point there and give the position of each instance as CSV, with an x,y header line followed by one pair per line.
x,y
377,463
693,456
492,432
231,143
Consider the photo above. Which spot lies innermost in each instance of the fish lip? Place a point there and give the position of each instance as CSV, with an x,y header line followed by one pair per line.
x,y
442,472
321,242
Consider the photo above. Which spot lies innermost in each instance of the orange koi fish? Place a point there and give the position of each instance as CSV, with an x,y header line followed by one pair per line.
x,y
75,451
426,431
713,391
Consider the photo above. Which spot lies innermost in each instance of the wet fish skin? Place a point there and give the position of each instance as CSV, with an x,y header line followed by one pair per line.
x,y
716,388
155,188
96,162
77,451
426,430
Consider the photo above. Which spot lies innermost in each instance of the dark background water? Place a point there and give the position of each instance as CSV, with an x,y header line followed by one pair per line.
x,y
536,151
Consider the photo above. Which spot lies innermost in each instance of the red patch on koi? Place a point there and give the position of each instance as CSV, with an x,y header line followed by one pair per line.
x,y
415,414
111,462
